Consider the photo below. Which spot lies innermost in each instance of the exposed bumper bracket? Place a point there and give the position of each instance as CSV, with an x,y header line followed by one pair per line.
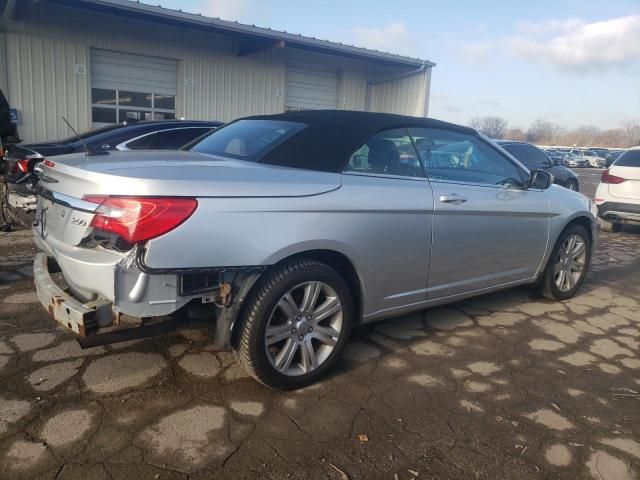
x,y
82,319
134,333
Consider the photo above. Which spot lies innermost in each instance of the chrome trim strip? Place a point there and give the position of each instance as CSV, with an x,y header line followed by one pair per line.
x,y
68,201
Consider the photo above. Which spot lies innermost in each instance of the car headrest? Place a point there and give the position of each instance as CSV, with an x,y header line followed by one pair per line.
x,y
383,156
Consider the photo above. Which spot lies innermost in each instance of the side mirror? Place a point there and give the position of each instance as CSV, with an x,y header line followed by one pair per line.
x,y
540,180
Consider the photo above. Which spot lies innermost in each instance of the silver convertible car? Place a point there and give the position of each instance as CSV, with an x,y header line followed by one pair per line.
x,y
287,230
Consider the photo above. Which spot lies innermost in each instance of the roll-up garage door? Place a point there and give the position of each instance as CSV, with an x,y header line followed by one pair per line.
x,y
311,86
132,87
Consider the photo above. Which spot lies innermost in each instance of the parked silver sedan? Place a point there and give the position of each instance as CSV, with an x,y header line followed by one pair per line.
x,y
287,230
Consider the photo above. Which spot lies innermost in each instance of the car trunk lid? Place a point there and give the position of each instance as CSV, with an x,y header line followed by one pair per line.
x,y
66,181
180,173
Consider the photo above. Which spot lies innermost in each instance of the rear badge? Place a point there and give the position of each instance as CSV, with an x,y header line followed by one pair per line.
x,y
77,221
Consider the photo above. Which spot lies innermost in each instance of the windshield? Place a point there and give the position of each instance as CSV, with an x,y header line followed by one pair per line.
x,y
247,139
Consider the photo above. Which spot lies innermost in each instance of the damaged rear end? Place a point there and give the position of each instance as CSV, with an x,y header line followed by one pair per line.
x,y
91,274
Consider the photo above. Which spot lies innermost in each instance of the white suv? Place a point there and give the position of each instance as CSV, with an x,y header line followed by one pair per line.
x,y
618,195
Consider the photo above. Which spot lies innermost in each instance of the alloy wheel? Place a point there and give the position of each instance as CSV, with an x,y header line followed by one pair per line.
x,y
304,328
570,262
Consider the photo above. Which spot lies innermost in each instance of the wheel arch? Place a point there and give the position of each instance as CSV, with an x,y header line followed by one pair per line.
x,y
343,265
333,258
584,221
581,219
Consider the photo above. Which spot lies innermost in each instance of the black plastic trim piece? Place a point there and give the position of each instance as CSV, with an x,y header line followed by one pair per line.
x,y
613,207
143,267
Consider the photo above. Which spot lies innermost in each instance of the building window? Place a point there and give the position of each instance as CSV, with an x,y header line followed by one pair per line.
x,y
112,106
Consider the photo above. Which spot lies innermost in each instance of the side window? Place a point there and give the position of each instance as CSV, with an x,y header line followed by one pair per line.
x,y
142,143
458,157
176,138
390,152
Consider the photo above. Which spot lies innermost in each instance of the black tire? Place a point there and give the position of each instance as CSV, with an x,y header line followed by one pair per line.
x,y
262,301
609,226
573,185
547,284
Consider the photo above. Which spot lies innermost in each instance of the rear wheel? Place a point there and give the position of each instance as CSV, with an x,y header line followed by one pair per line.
x,y
609,226
295,324
568,264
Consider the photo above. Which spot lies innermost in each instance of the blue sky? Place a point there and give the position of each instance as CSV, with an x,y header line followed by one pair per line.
x,y
575,62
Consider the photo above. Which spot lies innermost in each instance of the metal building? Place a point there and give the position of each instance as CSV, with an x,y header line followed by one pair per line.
x,y
101,61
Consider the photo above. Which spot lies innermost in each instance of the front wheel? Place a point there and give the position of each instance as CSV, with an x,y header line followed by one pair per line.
x,y
568,264
295,324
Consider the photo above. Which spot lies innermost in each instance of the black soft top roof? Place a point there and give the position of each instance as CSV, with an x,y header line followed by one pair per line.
x,y
331,136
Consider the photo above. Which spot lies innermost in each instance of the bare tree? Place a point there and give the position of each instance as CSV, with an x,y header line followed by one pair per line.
x,y
544,131
515,134
492,127
632,132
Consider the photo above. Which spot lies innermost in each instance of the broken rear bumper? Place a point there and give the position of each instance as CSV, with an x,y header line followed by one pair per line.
x,y
83,319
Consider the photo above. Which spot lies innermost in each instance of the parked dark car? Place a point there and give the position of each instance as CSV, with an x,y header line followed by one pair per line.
x,y
535,158
147,135
613,156
19,201
557,157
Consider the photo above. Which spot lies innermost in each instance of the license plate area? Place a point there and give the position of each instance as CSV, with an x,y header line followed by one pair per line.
x,y
61,222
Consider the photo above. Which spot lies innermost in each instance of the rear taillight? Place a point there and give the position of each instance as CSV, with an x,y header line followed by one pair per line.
x,y
137,219
23,165
608,178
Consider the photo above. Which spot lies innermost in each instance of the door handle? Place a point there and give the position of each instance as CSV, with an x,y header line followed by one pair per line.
x,y
452,198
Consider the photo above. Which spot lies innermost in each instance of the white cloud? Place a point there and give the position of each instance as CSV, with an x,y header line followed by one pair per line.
x,y
441,102
476,52
576,45
549,26
489,102
226,9
393,37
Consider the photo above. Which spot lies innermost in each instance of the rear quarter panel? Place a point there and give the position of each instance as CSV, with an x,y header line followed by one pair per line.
x,y
382,225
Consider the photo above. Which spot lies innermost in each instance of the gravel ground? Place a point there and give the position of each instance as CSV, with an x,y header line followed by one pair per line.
x,y
502,386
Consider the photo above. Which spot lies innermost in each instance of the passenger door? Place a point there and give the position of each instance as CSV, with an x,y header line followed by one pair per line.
x,y
392,228
487,229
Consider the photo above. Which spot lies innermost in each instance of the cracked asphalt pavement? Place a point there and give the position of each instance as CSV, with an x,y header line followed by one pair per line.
x,y
505,385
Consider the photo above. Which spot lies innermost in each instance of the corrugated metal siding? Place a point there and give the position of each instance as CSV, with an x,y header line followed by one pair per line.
x,y
44,49
352,91
311,85
406,96
136,73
